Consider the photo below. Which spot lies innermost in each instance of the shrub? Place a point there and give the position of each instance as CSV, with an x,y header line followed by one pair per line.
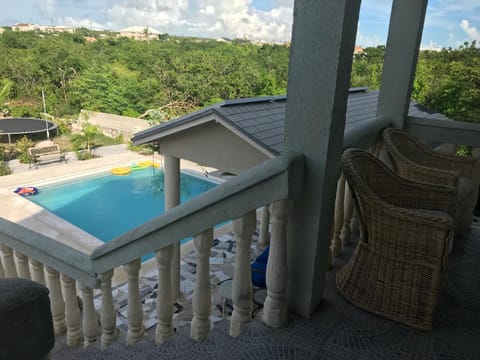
x,y
22,146
4,169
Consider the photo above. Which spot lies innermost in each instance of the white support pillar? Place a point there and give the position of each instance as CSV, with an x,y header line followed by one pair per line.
x,y
37,271
8,262
242,278
403,43
2,272
22,265
72,312
135,311
57,305
89,319
202,296
314,126
275,308
263,237
347,216
336,246
172,199
108,316
164,327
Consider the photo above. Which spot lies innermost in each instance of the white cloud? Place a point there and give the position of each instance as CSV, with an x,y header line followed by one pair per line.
x,y
206,18
470,30
76,23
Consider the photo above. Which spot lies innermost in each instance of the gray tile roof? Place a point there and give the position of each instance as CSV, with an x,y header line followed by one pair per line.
x,y
262,119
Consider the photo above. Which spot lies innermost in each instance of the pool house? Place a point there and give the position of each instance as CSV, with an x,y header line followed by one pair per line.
x,y
293,168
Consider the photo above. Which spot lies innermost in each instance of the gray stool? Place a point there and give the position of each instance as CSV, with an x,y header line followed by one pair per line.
x,y
26,327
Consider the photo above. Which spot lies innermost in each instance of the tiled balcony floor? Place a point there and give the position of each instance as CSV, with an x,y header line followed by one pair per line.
x,y
337,330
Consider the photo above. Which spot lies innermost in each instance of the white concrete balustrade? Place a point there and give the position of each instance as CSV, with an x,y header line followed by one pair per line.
x,y
83,324
201,302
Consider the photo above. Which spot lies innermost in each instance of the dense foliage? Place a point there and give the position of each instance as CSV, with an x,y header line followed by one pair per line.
x,y
123,76
171,76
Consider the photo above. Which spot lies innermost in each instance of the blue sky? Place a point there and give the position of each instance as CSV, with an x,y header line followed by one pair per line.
x,y
449,23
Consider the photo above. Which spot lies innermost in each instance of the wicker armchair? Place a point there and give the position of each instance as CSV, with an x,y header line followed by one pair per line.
x,y
413,160
397,268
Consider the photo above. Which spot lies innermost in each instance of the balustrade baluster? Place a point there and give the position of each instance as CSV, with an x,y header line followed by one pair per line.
x,y
275,307
8,262
90,318
164,295
242,279
37,271
135,311
22,265
263,237
57,304
347,217
336,244
108,317
202,300
72,312
2,273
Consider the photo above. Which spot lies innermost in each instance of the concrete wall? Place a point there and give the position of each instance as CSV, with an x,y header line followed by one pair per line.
x,y
112,125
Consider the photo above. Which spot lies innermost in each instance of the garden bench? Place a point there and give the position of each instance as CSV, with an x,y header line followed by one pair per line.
x,y
45,152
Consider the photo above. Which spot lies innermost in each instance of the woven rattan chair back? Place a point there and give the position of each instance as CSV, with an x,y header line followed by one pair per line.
x,y
396,270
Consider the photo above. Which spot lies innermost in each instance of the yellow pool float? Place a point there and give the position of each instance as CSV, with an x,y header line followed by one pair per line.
x,y
121,171
147,163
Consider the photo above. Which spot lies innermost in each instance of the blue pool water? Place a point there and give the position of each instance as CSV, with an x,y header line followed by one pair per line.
x,y
108,206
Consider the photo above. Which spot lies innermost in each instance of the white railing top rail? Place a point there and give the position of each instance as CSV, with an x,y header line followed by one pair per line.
x,y
447,131
49,252
275,179
272,180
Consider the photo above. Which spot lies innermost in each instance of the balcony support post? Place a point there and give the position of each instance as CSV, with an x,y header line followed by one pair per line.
x,y
403,43
164,327
275,307
314,126
202,297
8,262
57,305
135,311
347,216
90,319
72,312
38,274
22,265
172,199
336,246
242,278
108,315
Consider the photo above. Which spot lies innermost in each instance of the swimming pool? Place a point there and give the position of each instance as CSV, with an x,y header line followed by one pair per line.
x,y
107,206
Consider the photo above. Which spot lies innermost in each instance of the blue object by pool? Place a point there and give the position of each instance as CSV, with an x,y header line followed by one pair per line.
x,y
108,206
259,268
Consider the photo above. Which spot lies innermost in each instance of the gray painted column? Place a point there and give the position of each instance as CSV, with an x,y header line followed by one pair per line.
x,y
404,37
319,75
172,199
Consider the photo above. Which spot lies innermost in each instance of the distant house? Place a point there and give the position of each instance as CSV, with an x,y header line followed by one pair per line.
x,y
1,30
90,39
23,27
59,28
358,50
140,33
